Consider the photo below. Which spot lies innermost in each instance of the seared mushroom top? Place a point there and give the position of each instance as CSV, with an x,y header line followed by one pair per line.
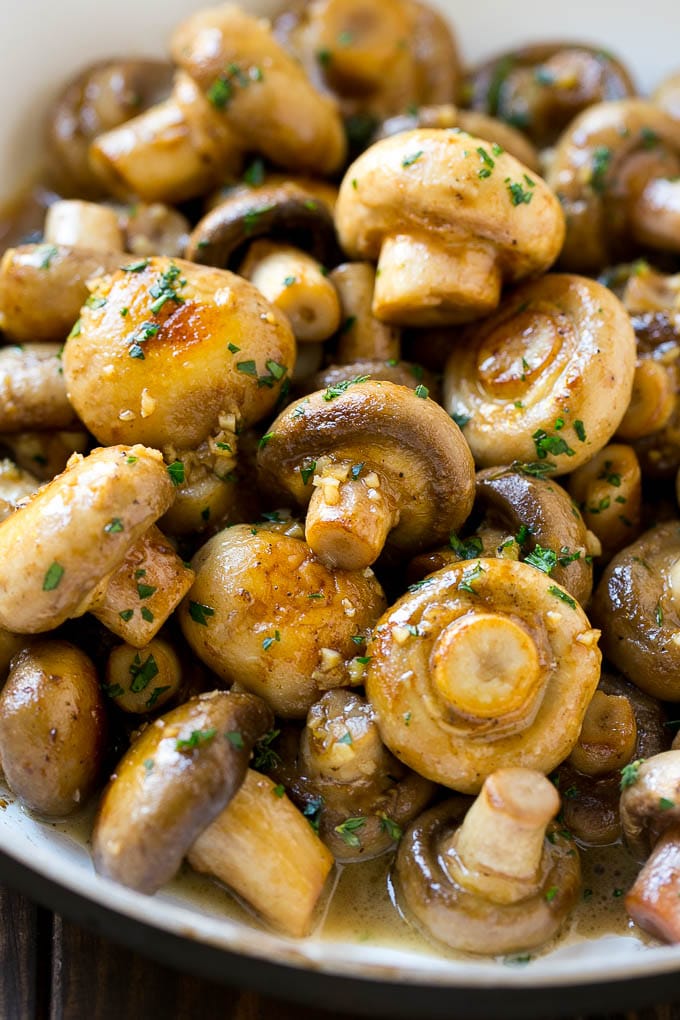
x,y
616,170
374,461
463,213
542,87
547,378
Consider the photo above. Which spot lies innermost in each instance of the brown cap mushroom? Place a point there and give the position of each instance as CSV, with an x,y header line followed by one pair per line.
x,y
373,462
480,666
650,814
449,218
636,605
498,879
173,782
266,613
547,378
616,171
542,87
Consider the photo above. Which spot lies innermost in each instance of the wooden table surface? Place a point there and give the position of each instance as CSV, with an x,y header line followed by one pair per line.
x,y
51,969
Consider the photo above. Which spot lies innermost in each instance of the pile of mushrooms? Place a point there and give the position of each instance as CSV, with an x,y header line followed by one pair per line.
x,y
282,544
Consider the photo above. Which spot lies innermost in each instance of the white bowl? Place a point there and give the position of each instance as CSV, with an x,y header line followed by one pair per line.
x,y
43,43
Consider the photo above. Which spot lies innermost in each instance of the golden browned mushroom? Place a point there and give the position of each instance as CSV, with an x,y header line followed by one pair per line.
x,y
52,728
79,224
45,454
362,337
373,462
339,772
547,379
15,485
85,542
32,389
498,879
266,613
616,170
650,814
449,218
636,606
140,680
609,495
173,782
486,664
622,726
180,357
281,878
667,96
154,229
100,98
378,57
542,87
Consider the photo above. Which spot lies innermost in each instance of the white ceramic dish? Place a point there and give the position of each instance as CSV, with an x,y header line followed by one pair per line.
x,y
43,43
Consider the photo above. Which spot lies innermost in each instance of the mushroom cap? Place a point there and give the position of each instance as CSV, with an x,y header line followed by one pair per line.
x,y
514,499
428,182
403,373
268,98
287,211
635,604
265,612
466,919
166,377
423,728
410,441
172,783
547,378
600,164
651,803
61,543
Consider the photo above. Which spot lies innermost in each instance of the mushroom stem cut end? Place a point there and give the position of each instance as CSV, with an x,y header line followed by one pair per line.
x,y
654,900
348,522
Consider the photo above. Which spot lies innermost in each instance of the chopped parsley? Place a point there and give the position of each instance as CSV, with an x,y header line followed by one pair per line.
x,y
156,694
413,158
269,641
142,673
166,289
390,827
114,526
197,738
630,773
466,549
554,445
422,392
601,161
542,559
519,195
145,591
200,613
235,739
339,388
307,472
348,831
461,420
264,756
53,576
312,810
471,574
176,472
562,596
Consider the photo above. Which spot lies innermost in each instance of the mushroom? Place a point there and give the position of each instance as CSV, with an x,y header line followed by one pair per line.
x,y
52,728
45,454
32,389
622,725
139,680
84,542
43,286
650,801
609,495
372,462
99,98
173,782
635,604
547,379
478,124
78,224
266,613
281,878
482,665
362,337
257,222
616,171
179,357
667,96
154,229
448,218
15,485
342,776
542,87
497,879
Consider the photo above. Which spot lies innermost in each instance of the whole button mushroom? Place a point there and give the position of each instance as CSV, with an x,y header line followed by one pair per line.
x,y
542,87
616,169
373,462
547,379
636,605
140,680
266,613
344,778
498,879
650,814
173,782
449,218
482,665
52,728
85,542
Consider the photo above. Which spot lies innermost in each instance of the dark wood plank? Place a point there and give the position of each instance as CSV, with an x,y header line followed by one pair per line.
x,y
21,989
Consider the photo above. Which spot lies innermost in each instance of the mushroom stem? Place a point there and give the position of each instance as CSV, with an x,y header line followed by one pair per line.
x,y
421,283
348,521
652,403
503,834
608,736
292,281
654,900
362,336
341,741
83,225
655,216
